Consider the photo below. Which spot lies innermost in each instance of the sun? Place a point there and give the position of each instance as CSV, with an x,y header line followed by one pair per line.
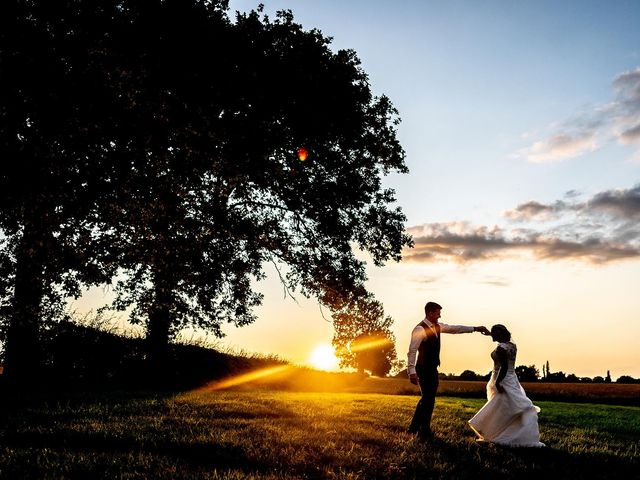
x,y
323,358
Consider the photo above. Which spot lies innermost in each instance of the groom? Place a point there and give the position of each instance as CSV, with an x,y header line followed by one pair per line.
x,y
425,341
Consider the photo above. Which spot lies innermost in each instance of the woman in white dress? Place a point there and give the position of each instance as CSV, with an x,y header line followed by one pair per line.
x,y
509,417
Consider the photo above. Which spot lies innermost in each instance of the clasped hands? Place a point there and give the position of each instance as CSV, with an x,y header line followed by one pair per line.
x,y
483,330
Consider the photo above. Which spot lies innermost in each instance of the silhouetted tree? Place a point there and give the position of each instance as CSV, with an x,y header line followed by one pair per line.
x,y
627,379
187,256
469,375
222,190
161,138
362,338
556,377
399,368
572,378
374,352
607,379
56,130
527,374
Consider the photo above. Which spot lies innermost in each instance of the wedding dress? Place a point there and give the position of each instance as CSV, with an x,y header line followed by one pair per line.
x,y
508,418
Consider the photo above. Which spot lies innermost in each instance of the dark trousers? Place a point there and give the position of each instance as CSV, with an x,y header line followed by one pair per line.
x,y
428,379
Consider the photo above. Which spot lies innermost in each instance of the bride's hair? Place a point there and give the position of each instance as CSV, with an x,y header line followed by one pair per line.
x,y
501,332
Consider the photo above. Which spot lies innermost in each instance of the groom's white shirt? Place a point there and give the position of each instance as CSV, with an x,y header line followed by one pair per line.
x,y
419,334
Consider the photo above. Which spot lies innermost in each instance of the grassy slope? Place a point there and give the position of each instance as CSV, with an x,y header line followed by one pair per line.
x,y
268,434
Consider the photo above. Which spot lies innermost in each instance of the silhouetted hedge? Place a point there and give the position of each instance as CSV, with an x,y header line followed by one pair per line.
x,y
79,356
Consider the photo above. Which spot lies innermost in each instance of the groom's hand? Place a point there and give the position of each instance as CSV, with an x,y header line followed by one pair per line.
x,y
413,378
483,330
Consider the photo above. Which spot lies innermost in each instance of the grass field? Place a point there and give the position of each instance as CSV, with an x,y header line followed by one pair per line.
x,y
265,434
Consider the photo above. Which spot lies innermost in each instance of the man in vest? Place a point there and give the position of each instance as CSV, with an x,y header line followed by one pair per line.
x,y
425,342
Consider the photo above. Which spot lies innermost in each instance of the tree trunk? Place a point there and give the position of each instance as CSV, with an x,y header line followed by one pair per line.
x,y
23,350
159,330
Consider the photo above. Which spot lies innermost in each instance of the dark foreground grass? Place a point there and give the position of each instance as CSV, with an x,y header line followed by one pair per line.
x,y
269,435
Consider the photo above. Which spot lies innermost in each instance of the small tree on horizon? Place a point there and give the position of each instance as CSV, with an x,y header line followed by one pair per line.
x,y
363,338
469,375
527,373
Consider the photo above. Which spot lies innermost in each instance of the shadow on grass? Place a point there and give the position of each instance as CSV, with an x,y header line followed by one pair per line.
x,y
195,454
63,428
484,460
72,427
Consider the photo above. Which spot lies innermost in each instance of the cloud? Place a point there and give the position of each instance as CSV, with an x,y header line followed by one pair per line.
x,y
622,204
495,281
603,229
535,211
561,147
631,135
627,85
616,121
572,194
426,280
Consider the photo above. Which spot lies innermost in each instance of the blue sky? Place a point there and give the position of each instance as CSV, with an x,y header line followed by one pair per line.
x,y
505,107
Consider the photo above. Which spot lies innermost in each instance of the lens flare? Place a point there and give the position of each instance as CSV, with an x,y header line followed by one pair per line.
x,y
303,153
246,378
367,345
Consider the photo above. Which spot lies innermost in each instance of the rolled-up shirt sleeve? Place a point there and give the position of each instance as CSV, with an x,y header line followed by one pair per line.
x,y
417,336
444,328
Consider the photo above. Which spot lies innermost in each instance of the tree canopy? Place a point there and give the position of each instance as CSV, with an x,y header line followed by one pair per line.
x,y
159,139
56,115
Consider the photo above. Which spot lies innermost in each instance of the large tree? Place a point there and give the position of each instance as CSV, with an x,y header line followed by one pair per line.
x,y
161,137
222,190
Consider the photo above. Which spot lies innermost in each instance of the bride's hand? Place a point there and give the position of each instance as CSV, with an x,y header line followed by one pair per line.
x,y
482,329
500,388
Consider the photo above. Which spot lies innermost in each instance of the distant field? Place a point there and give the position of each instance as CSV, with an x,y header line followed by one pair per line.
x,y
305,380
625,394
239,434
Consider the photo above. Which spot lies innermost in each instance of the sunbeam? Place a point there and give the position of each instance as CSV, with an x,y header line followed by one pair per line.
x,y
245,378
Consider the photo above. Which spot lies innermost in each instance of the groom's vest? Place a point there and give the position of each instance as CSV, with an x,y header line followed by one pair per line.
x,y
429,349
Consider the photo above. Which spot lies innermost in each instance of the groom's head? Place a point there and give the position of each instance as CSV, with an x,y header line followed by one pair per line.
x,y
432,311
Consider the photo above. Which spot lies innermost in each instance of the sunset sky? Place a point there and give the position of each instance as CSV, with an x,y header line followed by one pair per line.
x,y
521,125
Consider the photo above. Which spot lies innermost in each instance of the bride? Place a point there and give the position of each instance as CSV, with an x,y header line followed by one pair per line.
x,y
508,418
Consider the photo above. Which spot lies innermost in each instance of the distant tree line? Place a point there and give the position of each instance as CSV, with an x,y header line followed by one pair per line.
x,y
531,374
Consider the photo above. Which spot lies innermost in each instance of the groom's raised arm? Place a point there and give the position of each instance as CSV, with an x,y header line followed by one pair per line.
x,y
444,328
